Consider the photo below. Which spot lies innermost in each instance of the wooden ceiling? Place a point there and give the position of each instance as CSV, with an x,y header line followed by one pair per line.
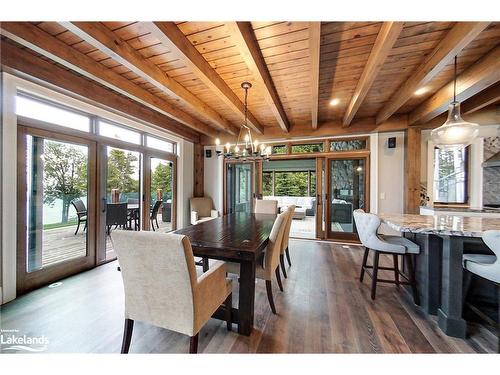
x,y
192,71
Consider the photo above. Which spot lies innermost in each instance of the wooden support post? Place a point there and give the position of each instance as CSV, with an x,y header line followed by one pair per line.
x,y
198,189
412,170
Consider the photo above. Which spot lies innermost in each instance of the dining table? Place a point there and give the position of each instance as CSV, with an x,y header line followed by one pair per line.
x,y
237,237
443,239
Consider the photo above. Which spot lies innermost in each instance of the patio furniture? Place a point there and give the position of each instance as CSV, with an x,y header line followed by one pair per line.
x,y
341,212
266,207
284,243
117,215
303,205
162,288
154,215
166,212
202,210
81,212
269,261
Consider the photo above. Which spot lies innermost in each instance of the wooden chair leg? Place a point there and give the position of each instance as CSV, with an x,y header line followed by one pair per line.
x,y
375,274
278,278
228,305
413,281
282,262
127,335
193,344
396,268
287,252
205,264
363,265
269,289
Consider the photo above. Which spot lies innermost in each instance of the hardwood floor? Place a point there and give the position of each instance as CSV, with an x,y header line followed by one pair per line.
x,y
324,309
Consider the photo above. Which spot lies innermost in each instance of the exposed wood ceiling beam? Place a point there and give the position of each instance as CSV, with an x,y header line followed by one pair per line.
x,y
314,54
171,37
455,40
386,38
42,42
20,61
105,40
243,36
473,80
485,98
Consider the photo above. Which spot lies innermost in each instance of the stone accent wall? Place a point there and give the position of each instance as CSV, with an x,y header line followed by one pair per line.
x,y
491,176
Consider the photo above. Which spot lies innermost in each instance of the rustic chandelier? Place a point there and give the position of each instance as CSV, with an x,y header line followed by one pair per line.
x,y
245,148
455,132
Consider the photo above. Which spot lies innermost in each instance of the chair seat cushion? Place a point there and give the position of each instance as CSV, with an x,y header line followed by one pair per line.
x,y
203,219
411,247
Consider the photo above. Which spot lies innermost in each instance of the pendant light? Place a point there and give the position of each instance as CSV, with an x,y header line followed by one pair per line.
x,y
455,132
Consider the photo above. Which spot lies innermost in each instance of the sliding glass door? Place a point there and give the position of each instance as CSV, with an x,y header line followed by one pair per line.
x,y
56,182
239,187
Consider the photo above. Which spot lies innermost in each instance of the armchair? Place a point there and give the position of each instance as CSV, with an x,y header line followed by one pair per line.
x,y
202,209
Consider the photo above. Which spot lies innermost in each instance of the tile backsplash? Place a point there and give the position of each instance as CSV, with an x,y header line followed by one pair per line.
x,y
491,176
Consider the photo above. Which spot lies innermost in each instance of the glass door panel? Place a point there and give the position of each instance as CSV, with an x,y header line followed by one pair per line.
x,y
239,187
123,193
161,195
347,192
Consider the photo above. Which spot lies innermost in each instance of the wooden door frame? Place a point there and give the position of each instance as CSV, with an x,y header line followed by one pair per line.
x,y
339,236
253,181
26,281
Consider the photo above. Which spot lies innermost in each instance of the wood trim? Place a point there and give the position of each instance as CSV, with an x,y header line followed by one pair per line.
x,y
171,37
198,178
481,100
386,38
42,42
413,139
105,40
473,80
319,198
224,181
314,55
455,41
17,60
243,36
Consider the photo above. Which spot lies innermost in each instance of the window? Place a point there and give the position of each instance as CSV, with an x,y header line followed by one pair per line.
x,y
450,175
117,132
39,110
313,147
348,145
290,184
267,184
159,144
279,149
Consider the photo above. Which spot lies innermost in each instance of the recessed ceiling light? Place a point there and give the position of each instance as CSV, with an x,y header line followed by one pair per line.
x,y
334,102
421,91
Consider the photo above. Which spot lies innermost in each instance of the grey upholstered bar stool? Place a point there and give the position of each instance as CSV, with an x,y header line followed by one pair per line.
x,y
367,225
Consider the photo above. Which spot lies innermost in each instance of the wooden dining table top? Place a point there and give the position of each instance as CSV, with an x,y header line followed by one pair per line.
x,y
233,237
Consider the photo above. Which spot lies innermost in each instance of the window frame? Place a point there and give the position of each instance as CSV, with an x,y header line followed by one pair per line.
x,y
466,179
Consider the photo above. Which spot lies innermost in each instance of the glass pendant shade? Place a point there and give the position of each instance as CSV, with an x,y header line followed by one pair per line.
x,y
455,132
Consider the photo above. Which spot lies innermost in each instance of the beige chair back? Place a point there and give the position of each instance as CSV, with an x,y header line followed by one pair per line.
x,y
159,277
272,255
286,235
264,206
202,205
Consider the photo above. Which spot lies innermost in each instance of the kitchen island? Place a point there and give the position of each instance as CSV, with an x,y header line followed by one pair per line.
x,y
443,239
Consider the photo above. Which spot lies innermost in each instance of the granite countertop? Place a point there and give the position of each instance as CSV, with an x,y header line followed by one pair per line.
x,y
448,225
484,210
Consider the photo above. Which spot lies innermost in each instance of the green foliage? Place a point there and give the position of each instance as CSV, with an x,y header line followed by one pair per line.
x,y
267,183
292,184
355,144
161,178
316,147
121,172
279,149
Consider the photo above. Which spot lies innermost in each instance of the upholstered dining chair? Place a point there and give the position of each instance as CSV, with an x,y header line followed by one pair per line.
x,y
270,262
367,225
284,244
162,288
202,209
264,206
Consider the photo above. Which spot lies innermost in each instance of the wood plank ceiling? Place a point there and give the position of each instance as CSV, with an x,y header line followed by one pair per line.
x,y
192,71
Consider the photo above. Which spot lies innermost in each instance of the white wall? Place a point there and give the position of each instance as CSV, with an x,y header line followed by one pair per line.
x,y
185,183
212,176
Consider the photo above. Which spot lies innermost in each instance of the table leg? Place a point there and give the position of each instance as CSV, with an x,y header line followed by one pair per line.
x,y
246,297
450,314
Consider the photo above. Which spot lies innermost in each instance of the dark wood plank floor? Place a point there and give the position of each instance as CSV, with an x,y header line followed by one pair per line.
x,y
324,309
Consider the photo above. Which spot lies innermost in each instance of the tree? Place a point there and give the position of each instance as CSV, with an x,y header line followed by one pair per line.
x,y
65,174
161,178
121,171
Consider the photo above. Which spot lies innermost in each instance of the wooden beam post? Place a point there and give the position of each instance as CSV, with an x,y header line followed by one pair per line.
x,y
473,80
413,139
171,37
386,38
199,168
485,98
314,54
455,41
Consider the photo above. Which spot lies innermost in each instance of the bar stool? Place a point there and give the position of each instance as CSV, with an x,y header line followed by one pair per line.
x,y
487,267
367,225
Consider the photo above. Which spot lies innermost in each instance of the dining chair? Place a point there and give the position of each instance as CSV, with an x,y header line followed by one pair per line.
x,y
265,206
269,263
81,213
117,215
153,217
367,225
162,287
286,237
